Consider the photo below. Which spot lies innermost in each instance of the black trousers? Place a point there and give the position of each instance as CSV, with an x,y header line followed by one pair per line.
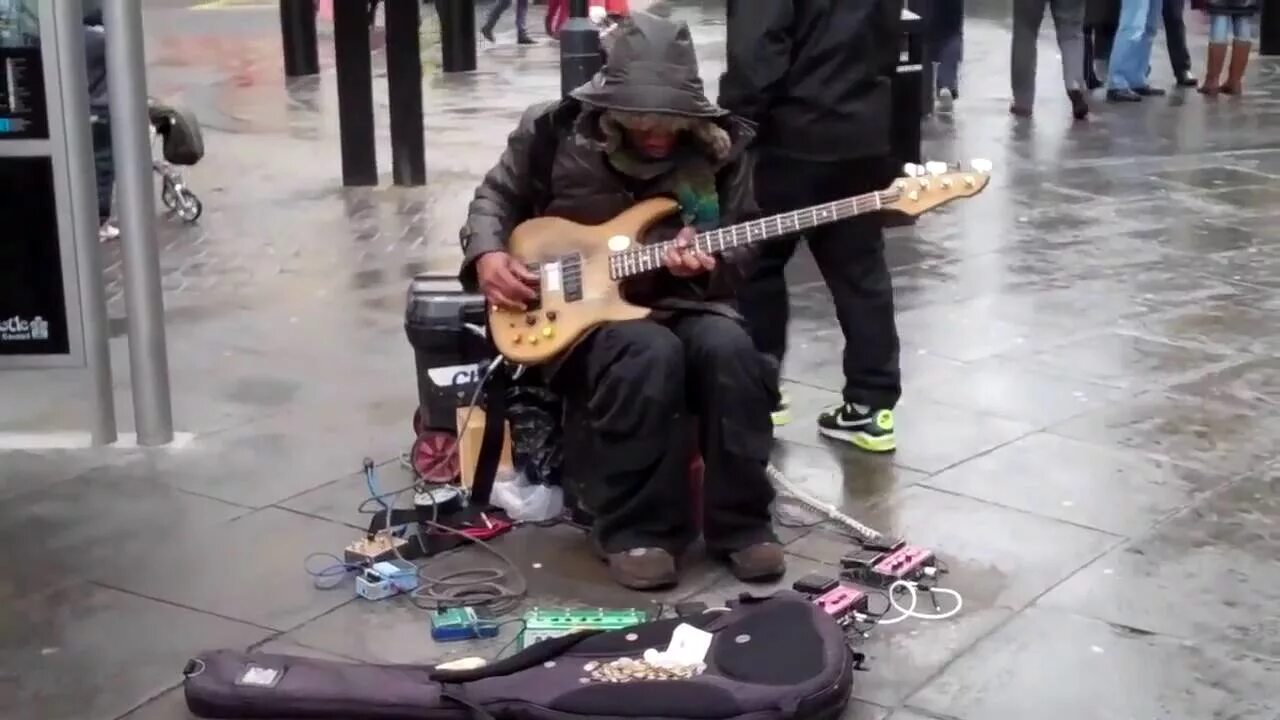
x,y
850,255
103,167
639,390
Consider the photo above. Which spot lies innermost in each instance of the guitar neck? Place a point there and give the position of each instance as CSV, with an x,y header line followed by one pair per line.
x,y
640,259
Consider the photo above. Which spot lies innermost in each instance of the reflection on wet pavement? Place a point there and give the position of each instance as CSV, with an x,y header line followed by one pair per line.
x,y
1087,432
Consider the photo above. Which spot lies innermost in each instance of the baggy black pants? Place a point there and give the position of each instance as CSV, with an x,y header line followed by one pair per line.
x,y
641,389
850,255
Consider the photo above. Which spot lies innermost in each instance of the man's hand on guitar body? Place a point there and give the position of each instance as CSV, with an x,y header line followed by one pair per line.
x,y
505,281
683,261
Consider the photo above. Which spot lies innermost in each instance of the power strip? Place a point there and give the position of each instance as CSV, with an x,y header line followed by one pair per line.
x,y
369,550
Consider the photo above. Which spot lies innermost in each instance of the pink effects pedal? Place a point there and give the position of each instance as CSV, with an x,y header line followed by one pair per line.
x,y
906,562
841,601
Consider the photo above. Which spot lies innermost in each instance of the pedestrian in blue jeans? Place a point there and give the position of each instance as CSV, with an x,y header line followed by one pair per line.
x,y
1131,53
522,21
946,36
1229,21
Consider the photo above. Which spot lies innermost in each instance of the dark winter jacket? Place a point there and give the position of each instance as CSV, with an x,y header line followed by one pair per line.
x,y
95,56
1232,7
814,75
554,165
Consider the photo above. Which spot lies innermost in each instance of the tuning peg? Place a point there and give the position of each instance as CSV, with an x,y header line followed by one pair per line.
x,y
981,166
912,170
936,168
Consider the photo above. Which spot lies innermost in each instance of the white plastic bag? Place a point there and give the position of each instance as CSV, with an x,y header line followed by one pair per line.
x,y
525,501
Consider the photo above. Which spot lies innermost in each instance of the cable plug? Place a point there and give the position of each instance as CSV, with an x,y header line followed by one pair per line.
x,y
368,464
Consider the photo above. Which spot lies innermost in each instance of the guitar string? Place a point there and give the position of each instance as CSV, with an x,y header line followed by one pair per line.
x,y
648,257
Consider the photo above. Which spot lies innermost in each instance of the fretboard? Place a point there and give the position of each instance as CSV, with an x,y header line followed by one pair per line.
x,y
640,259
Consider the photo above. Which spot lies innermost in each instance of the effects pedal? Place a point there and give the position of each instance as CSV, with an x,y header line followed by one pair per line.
x,y
842,602
543,623
372,586
372,549
881,569
462,623
386,579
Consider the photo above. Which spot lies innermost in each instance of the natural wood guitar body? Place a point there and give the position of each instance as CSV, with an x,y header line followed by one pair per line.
x,y
580,267
577,292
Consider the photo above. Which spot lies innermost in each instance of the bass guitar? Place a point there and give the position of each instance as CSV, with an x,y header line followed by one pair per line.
x,y
581,267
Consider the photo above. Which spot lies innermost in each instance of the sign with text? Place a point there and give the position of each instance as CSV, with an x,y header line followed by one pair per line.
x,y
33,312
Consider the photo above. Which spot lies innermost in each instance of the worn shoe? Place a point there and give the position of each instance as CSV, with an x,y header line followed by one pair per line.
x,y
1185,79
643,568
487,33
946,99
524,39
867,429
1020,111
1079,106
1148,91
108,232
1123,95
761,562
781,415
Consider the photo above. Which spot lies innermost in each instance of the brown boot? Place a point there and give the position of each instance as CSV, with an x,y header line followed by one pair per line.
x,y
1213,69
1239,61
643,568
761,562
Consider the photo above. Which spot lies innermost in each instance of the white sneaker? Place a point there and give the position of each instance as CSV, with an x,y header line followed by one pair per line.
x,y
108,232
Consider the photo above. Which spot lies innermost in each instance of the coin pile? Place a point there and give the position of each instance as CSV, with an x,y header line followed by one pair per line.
x,y
625,670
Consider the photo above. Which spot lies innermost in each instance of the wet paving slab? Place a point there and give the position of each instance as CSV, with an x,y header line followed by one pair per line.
x,y
1086,435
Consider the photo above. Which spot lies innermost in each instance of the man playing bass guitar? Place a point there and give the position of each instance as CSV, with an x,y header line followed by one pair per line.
x,y
644,128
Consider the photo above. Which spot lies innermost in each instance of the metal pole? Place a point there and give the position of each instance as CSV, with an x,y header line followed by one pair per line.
x,y
457,34
355,93
69,28
131,144
404,84
579,48
298,35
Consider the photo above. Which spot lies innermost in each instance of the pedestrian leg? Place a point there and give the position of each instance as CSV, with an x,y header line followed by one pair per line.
x,y
1068,24
1027,16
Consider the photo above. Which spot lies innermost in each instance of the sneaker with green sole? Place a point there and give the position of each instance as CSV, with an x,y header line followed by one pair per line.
x,y
781,415
869,429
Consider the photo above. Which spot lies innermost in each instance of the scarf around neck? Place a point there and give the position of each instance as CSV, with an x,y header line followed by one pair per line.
x,y
686,174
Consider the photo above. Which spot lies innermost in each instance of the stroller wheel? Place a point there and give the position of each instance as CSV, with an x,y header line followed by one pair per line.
x,y
419,426
169,197
190,208
435,458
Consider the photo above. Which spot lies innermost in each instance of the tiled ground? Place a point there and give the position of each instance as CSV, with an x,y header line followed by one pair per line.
x,y
1088,434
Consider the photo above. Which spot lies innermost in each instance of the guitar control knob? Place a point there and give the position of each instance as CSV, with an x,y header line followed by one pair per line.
x,y
517,339
547,332
533,339
551,315
530,320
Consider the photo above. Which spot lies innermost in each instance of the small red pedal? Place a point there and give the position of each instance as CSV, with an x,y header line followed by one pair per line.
x,y
906,562
842,601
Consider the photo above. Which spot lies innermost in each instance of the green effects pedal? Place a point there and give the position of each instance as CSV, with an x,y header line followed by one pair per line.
x,y
543,623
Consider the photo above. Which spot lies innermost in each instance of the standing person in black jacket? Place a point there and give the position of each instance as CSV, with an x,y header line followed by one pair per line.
x,y
815,76
95,53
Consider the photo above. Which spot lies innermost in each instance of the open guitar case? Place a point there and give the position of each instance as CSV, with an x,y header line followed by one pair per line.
x,y
777,658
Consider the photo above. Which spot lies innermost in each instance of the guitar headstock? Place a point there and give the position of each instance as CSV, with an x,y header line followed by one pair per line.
x,y
925,187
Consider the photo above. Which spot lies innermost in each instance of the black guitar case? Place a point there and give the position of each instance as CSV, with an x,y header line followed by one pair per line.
x,y
779,658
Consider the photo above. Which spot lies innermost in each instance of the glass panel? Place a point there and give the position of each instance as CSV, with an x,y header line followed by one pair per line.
x,y
19,23
22,100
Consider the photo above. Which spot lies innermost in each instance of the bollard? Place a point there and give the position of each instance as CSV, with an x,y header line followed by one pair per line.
x,y
298,35
457,34
404,84
580,56
355,93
